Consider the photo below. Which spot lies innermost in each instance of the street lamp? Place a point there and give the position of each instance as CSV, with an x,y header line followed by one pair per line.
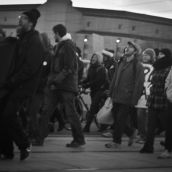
x,y
117,42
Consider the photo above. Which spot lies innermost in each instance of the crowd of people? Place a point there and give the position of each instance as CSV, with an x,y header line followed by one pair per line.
x,y
39,81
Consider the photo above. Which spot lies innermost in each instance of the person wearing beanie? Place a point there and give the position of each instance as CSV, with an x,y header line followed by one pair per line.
x,y
157,101
148,58
24,80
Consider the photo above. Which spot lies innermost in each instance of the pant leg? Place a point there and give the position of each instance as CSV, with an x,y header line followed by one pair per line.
x,y
142,118
152,125
49,104
168,135
73,116
94,108
6,143
12,123
34,115
120,124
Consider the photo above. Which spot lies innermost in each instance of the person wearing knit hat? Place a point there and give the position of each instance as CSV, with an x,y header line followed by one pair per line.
x,y
32,15
27,21
148,56
23,82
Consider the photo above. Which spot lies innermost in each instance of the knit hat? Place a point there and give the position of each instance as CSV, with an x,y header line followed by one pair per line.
x,y
33,15
150,52
107,53
136,46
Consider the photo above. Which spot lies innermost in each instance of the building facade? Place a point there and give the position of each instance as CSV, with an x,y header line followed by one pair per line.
x,y
94,29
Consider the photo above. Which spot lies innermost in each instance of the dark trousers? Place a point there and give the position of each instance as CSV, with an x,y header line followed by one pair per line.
x,y
156,119
96,98
142,122
34,110
121,115
11,123
168,135
52,98
6,144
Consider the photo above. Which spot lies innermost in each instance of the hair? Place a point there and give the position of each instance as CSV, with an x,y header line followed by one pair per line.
x,y
2,33
60,29
45,41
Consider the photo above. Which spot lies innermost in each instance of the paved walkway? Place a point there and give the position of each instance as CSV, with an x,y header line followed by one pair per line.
x,y
55,157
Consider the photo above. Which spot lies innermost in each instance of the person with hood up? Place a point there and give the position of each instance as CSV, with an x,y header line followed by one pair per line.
x,y
125,91
157,101
96,80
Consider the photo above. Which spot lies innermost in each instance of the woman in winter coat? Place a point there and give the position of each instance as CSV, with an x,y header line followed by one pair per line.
x,y
148,57
168,136
157,101
96,81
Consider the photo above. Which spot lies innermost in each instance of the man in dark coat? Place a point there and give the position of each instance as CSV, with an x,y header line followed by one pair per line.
x,y
63,83
22,83
125,90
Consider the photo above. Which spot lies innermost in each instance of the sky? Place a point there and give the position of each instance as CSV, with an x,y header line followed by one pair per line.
x,y
161,8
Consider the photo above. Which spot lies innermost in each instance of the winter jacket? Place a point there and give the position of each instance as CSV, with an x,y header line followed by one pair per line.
x,y
127,83
157,99
96,78
64,69
168,86
28,64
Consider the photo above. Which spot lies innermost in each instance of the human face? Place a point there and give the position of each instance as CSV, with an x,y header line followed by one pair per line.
x,y
57,38
160,55
129,50
24,23
94,59
146,58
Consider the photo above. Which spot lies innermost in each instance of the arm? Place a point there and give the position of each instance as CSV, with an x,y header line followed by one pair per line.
x,y
139,84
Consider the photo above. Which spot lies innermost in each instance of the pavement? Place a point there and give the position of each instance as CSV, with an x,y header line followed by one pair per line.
x,y
55,157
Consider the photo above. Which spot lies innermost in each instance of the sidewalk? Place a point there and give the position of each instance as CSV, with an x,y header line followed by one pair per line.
x,y
55,157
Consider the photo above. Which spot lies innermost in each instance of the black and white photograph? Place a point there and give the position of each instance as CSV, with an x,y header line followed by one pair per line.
x,y
85,85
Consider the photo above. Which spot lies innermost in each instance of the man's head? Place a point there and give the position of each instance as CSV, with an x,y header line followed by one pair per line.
x,y
132,48
59,31
28,20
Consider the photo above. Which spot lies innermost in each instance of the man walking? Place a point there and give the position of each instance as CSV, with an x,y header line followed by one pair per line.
x,y
22,83
63,83
125,90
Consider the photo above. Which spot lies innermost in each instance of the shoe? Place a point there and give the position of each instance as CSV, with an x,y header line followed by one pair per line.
x,y
165,155
24,154
75,144
132,138
113,145
146,150
107,134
